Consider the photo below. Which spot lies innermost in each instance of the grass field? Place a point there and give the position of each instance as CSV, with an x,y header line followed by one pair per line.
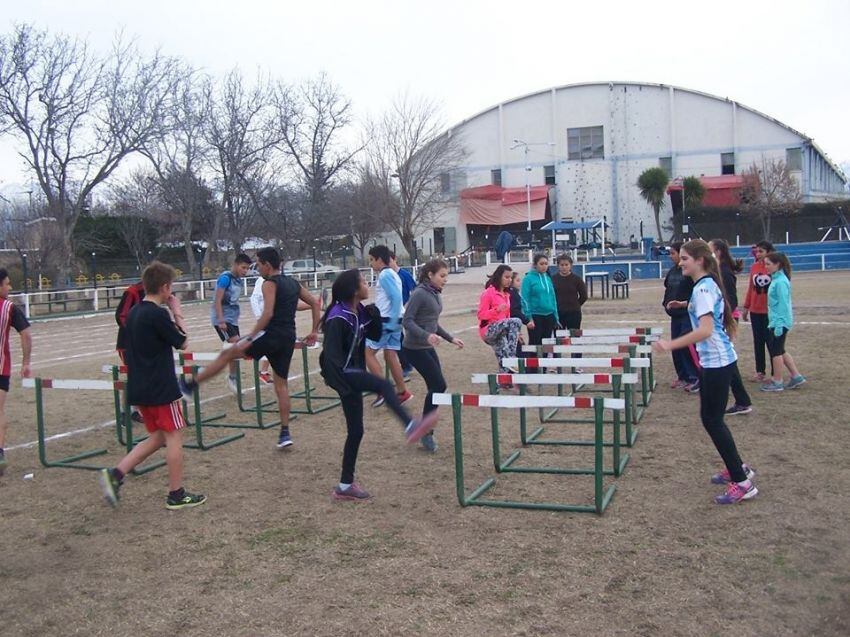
x,y
271,554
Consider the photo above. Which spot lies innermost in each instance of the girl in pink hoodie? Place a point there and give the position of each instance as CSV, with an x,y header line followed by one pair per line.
x,y
495,325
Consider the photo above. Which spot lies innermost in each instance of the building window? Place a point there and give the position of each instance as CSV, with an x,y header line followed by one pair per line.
x,y
585,143
496,176
549,175
727,163
794,158
666,164
445,183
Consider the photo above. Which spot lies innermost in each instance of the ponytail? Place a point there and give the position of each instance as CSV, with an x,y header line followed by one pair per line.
x,y
699,249
780,259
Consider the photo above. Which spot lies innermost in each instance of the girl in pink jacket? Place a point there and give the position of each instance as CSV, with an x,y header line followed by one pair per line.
x,y
495,324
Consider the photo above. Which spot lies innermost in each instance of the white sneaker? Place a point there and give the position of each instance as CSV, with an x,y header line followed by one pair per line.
x,y
231,384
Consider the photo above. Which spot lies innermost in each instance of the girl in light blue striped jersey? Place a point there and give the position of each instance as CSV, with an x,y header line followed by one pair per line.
x,y
713,325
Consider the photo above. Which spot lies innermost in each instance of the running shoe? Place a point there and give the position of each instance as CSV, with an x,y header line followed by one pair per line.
x,y
405,397
417,428
795,382
187,501
759,377
406,374
136,416
739,410
2,463
428,443
379,400
724,478
352,493
187,388
692,388
773,385
111,486
266,377
737,493
678,384
231,384
284,440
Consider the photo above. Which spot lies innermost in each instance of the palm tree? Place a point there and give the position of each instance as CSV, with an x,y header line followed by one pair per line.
x,y
653,187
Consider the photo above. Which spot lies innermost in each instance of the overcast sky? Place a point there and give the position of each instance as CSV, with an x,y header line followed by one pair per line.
x,y
787,59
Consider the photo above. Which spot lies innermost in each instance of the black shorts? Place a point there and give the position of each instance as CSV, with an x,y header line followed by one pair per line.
x,y
277,348
776,344
4,383
225,336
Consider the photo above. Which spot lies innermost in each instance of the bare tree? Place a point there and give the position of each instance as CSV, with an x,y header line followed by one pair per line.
x,y
137,201
178,157
358,208
312,118
410,143
769,190
30,230
78,115
241,127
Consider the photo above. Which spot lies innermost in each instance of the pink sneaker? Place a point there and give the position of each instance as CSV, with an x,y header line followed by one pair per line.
x,y
724,478
353,493
677,384
405,397
736,492
418,428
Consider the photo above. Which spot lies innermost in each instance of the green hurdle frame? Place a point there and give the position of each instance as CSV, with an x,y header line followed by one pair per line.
x,y
619,459
198,422
601,496
631,417
69,462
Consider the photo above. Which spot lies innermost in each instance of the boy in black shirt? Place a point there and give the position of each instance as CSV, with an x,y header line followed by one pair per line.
x,y
152,385
273,335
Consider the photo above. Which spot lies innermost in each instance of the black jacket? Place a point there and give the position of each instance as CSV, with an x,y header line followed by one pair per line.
x,y
516,306
677,287
343,347
730,285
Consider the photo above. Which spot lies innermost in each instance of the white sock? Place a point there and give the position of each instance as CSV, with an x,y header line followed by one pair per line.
x,y
343,486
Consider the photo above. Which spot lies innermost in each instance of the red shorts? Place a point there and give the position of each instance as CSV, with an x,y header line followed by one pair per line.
x,y
163,417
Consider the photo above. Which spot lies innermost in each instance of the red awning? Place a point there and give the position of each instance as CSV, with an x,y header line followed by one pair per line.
x,y
720,191
496,206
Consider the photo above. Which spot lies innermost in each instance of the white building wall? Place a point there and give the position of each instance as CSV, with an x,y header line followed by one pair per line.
x,y
642,123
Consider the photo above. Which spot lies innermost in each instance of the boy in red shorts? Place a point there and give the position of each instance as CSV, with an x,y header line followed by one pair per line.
x,y
152,385
10,316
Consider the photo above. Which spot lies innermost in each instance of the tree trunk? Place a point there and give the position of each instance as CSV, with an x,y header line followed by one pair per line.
x,y
409,243
194,268
657,212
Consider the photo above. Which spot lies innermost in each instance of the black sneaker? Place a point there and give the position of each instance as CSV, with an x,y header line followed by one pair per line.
x,y
110,485
284,440
187,501
187,388
739,410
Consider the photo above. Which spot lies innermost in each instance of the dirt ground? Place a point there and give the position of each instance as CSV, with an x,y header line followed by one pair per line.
x,y
271,554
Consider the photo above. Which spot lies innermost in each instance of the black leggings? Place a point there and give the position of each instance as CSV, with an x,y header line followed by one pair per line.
x,y
760,331
427,363
739,392
544,326
713,398
352,407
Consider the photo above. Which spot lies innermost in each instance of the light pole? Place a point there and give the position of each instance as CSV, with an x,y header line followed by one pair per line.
x,y
397,176
26,273
94,269
525,145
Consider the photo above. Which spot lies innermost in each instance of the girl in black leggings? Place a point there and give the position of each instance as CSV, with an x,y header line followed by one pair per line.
x,y
713,325
422,331
345,325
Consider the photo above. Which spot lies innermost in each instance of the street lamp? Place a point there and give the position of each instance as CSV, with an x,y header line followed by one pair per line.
x,y
396,175
94,269
525,145
26,273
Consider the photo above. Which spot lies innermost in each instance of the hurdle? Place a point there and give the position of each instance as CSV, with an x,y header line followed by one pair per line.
x,y
601,496
616,380
647,377
627,350
622,365
613,331
73,462
187,365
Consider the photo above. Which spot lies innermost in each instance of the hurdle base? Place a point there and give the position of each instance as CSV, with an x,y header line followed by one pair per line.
x,y
262,427
140,471
474,499
206,446
71,462
507,466
532,439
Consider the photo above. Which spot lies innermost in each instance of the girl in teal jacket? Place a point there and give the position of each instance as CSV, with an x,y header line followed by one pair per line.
x,y
538,293
780,320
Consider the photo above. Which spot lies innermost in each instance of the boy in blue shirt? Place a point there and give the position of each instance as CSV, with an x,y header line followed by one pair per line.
x,y
408,284
224,313
388,300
